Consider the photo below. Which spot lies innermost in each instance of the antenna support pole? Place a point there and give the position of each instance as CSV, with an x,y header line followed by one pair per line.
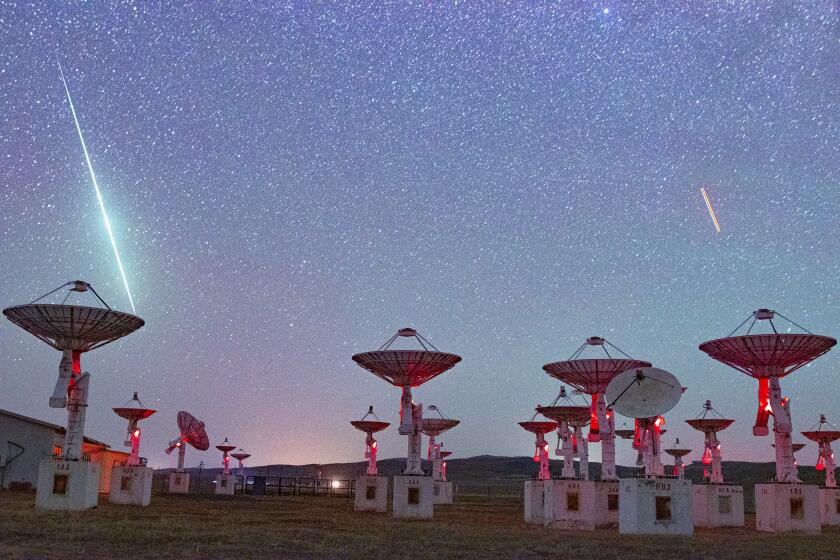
x,y
415,437
370,455
182,455
786,470
76,407
606,423
581,449
567,437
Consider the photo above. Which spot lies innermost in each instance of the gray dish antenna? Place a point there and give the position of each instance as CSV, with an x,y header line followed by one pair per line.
x,y
643,392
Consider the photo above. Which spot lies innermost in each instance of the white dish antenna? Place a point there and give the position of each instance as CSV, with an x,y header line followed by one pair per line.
x,y
643,392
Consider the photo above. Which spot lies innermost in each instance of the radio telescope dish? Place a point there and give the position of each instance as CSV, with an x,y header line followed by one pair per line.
x,y
643,392
135,411
240,456
436,426
225,446
823,433
72,330
537,427
407,367
73,327
192,431
768,358
370,426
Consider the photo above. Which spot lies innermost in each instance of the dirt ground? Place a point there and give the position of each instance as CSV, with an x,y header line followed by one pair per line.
x,y
243,527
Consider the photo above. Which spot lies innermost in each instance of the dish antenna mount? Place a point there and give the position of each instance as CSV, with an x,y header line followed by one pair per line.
x,y
591,376
407,369
768,358
72,330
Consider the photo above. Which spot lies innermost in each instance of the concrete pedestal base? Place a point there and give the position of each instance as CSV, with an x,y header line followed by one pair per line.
x,y
225,484
67,485
443,492
606,503
830,506
414,497
718,505
655,506
787,507
534,501
371,493
570,504
131,486
179,483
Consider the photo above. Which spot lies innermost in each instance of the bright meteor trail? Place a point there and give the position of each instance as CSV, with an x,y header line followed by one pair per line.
x,y
98,192
711,210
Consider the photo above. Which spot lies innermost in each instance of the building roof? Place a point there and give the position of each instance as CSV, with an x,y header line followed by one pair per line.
x,y
56,427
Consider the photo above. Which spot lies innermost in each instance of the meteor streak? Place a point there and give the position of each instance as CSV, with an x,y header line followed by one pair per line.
x,y
711,210
98,192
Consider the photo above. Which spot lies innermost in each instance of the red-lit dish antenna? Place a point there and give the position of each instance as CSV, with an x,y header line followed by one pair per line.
x,y
591,376
407,369
73,330
434,426
824,434
538,427
133,411
768,358
192,432
240,456
677,452
710,422
225,447
370,427
571,417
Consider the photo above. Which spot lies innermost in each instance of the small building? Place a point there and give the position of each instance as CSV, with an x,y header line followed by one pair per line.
x,y
25,441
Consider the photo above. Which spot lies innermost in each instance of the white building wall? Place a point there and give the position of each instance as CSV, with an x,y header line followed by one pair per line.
x,y
37,441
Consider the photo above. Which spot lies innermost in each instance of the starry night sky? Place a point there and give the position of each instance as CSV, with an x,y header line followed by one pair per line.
x,y
290,184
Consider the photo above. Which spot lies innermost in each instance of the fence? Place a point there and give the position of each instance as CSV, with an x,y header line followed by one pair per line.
x,y
483,490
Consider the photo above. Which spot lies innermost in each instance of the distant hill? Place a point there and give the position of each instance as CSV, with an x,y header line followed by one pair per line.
x,y
491,469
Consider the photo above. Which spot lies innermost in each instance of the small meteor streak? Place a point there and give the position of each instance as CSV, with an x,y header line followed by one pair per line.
x,y
711,210
98,192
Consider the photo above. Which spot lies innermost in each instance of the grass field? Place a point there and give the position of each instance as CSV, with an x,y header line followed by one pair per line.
x,y
242,527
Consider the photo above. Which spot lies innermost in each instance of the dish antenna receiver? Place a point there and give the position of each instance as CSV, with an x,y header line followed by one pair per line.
x,y
591,376
407,369
225,447
539,429
678,452
710,422
193,433
823,434
768,358
645,394
571,417
73,330
433,427
240,456
370,427
133,411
